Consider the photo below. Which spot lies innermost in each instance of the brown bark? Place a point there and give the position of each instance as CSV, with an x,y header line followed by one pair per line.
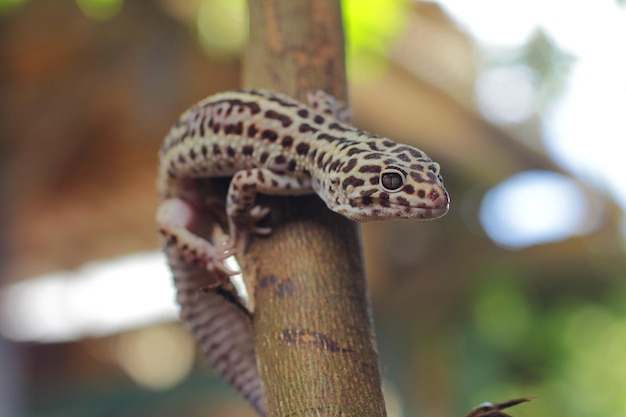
x,y
312,327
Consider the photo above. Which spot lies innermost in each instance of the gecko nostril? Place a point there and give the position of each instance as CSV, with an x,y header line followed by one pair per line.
x,y
433,195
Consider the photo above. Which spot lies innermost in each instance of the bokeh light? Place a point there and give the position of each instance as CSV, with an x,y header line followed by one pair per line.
x,y
534,207
156,357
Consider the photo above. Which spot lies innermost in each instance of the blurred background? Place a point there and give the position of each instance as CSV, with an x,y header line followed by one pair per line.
x,y
519,291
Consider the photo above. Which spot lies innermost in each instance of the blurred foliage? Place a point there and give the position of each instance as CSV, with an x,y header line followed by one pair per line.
x,y
370,27
222,27
9,5
94,9
568,350
100,9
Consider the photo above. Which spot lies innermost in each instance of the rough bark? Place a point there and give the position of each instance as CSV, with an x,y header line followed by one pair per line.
x,y
312,326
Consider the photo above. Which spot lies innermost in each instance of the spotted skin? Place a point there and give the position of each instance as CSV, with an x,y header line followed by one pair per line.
x,y
272,144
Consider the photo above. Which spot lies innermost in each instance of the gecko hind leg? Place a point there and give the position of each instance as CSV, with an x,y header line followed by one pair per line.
x,y
174,216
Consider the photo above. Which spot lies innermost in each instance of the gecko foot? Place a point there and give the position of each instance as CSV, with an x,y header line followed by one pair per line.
x,y
241,227
174,216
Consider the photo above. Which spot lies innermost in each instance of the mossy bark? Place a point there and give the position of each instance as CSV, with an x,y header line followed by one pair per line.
x,y
312,326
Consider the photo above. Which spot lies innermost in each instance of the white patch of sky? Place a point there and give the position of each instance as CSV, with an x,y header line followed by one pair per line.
x,y
585,129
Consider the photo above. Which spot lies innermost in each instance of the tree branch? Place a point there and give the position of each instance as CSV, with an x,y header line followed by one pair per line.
x,y
312,327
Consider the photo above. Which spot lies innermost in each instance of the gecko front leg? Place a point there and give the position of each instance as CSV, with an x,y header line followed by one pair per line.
x,y
243,213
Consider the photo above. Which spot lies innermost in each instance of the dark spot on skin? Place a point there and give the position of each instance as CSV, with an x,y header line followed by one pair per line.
x,y
367,201
389,143
264,157
238,128
329,138
230,151
192,155
373,146
181,159
404,157
247,150
312,155
274,183
252,130
355,150
318,119
417,167
414,152
353,203
353,181
370,168
216,149
287,141
320,159
260,176
282,118
302,148
350,165
337,126
384,199
408,189
280,159
334,165
247,187
201,129
304,128
402,201
303,113
417,177
270,135
204,151
373,156
282,102
254,108
421,193
374,180
216,128
432,168
228,129
367,193
292,166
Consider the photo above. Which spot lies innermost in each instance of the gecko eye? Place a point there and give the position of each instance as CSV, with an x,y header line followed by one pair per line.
x,y
391,180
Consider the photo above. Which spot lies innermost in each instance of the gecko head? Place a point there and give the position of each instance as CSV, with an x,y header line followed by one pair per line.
x,y
389,187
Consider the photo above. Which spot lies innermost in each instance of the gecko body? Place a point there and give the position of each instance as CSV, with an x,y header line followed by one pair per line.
x,y
272,144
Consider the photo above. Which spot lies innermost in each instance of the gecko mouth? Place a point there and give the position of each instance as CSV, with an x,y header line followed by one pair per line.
x,y
420,212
